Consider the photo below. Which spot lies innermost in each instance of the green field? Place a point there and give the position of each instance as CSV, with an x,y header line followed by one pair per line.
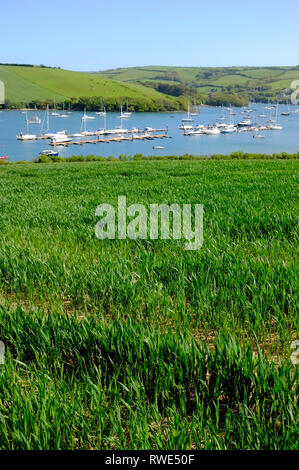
x,y
24,84
123,344
260,82
206,75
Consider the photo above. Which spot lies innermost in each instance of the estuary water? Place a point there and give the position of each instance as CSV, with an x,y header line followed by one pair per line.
x,y
285,140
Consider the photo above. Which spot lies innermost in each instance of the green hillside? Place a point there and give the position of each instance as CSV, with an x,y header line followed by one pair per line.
x,y
26,83
257,82
154,88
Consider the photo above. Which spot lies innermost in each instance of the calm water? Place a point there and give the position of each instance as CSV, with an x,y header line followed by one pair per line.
x,y
287,140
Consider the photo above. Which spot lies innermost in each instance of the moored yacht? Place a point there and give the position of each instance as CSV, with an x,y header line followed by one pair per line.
x,y
245,123
212,131
26,136
228,129
188,118
86,116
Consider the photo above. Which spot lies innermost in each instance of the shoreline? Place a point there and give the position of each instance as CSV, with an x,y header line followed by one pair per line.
x,y
140,157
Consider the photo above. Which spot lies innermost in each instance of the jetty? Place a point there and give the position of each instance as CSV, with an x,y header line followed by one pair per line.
x,y
111,139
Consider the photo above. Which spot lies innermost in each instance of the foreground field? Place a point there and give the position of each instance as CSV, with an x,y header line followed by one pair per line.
x,y
140,344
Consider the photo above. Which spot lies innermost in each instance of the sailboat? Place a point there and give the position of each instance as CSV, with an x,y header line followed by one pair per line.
x,y
63,115
188,118
35,119
286,113
194,113
102,112
48,133
276,126
26,136
54,112
125,114
222,118
85,116
269,106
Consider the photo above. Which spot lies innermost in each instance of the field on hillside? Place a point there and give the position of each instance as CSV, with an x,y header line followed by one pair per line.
x,y
276,78
123,344
24,84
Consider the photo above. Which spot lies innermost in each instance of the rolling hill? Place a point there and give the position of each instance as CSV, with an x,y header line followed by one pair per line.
x,y
259,82
207,76
150,88
26,83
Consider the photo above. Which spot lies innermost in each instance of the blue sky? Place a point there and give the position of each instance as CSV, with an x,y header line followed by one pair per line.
x,y
96,34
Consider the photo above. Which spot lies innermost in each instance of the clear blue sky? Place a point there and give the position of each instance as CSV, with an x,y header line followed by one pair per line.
x,y
97,34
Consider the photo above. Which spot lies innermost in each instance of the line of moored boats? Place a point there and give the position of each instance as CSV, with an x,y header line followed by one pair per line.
x,y
227,126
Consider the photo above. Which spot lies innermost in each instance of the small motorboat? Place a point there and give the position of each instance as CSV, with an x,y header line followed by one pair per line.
x,y
158,147
4,158
258,136
49,153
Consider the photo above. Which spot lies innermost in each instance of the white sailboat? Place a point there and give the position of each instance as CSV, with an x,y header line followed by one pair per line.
x,y
188,118
26,136
124,115
102,113
63,115
86,117
127,113
286,113
35,119
54,112
276,126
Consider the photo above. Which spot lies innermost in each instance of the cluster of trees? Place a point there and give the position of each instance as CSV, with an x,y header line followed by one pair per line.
x,y
220,98
186,93
172,89
28,65
96,103
17,65
170,75
135,104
